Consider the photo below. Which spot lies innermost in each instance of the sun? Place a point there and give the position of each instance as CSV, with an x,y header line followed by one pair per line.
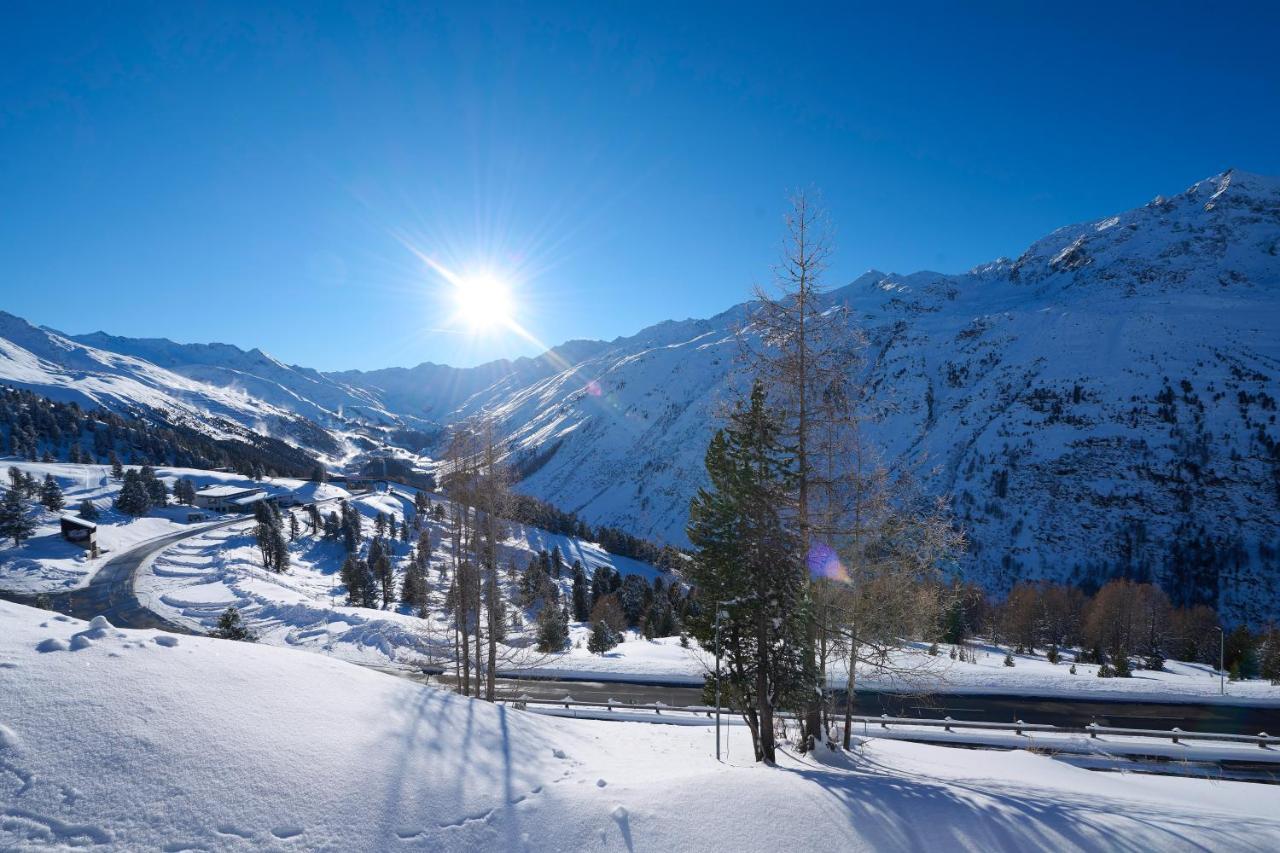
x,y
483,301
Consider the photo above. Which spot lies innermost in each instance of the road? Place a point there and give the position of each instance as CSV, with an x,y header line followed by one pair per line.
x,y
990,708
110,592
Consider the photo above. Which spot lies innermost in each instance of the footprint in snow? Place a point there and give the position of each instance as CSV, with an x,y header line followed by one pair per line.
x,y
286,832
166,640
600,783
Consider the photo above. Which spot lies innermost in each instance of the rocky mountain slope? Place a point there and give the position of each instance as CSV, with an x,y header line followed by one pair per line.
x,y
1103,404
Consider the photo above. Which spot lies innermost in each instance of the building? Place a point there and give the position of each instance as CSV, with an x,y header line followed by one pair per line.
x,y
226,498
76,529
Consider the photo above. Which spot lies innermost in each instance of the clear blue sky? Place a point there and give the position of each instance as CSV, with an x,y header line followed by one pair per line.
x,y
256,177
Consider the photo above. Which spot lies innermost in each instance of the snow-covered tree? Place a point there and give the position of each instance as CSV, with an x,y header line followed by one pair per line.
x,y
232,627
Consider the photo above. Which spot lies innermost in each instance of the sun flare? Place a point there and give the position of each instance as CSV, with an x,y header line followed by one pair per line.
x,y
483,301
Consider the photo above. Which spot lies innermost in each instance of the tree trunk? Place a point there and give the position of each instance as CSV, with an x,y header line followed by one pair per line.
x,y
849,694
764,702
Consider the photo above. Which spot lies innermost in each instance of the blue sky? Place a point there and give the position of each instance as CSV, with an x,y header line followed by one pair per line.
x,y
269,177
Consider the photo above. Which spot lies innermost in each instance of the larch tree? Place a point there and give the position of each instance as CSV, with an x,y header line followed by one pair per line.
x,y
801,347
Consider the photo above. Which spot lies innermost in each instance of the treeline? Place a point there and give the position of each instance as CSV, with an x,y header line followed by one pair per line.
x,y
539,513
1122,627
37,428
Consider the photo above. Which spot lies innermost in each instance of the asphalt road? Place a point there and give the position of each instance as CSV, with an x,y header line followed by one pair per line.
x,y
111,590
990,708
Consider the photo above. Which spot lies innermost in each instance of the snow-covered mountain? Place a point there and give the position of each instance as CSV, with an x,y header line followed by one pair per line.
x,y
1104,404
296,389
66,369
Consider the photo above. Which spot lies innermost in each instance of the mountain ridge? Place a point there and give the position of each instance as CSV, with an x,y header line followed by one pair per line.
x,y
1103,404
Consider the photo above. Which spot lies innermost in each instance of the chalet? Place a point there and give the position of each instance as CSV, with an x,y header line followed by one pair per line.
x,y
226,498
76,529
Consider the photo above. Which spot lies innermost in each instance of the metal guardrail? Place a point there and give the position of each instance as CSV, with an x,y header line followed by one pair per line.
x,y
884,721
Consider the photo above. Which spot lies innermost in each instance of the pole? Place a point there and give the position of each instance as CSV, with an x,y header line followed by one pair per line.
x,y
717,681
1222,673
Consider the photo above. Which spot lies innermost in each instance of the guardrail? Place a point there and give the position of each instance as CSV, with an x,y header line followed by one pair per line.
x,y
884,721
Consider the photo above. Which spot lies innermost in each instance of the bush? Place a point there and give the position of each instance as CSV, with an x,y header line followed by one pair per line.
x,y
1008,658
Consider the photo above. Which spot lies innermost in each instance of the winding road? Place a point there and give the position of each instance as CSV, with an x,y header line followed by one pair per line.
x,y
111,593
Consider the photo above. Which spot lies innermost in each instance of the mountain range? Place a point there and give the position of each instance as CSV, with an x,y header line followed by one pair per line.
x,y
1104,404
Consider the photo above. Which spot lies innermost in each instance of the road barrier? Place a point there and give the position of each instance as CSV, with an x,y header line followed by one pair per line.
x,y
884,721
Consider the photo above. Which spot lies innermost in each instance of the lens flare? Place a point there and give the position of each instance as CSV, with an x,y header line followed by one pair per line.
x,y
824,563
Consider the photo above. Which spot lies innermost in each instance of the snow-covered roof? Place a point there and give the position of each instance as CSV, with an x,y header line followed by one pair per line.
x,y
226,491
251,499
79,522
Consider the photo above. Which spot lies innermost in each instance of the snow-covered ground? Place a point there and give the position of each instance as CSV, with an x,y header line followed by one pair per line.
x,y
194,581
46,563
140,740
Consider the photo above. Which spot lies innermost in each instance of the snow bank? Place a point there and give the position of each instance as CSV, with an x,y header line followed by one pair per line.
x,y
128,744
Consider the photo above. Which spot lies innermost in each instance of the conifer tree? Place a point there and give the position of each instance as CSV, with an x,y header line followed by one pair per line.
x,y
117,470
51,494
581,602
553,631
352,578
14,523
157,492
133,498
380,565
231,627
747,564
602,638
87,510
414,588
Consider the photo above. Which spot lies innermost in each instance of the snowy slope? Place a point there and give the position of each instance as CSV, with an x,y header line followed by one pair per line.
x,y
1104,404
297,389
137,740
194,581
64,369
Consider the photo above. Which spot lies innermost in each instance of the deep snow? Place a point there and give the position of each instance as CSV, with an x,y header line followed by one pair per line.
x,y
141,740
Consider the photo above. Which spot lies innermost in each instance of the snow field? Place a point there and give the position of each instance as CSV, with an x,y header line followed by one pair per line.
x,y
128,744
46,563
